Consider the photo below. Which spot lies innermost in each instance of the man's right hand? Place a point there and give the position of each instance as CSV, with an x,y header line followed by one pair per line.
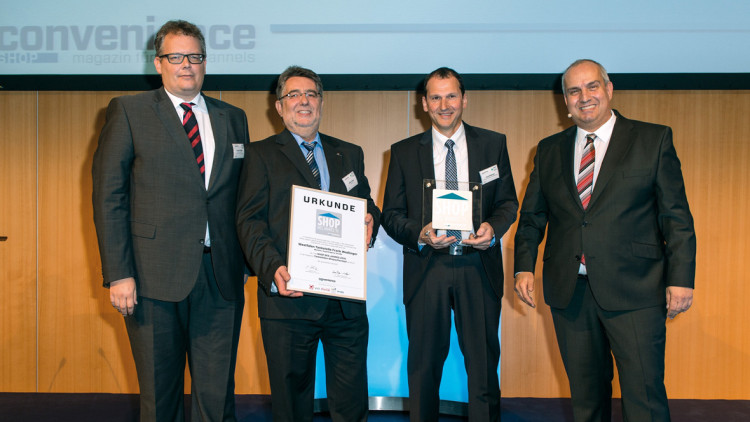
x,y
428,237
524,287
280,278
123,296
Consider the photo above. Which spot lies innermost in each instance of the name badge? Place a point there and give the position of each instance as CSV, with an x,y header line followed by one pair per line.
x,y
239,151
350,181
489,174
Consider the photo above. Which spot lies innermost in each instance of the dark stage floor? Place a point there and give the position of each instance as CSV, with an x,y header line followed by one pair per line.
x,y
42,407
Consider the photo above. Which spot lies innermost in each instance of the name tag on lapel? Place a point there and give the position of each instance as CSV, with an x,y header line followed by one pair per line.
x,y
489,174
350,181
239,151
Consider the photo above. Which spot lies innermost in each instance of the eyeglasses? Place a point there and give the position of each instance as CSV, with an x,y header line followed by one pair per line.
x,y
176,58
296,95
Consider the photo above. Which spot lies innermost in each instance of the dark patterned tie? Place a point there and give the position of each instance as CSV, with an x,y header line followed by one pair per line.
x,y
190,123
585,182
451,181
310,146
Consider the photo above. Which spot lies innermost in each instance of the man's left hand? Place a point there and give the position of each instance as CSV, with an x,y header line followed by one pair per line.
x,y
679,300
370,223
483,237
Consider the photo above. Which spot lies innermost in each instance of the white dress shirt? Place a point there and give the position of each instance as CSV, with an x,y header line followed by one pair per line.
x,y
207,136
601,142
439,154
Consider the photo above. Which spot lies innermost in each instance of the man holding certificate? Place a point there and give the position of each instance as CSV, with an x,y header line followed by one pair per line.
x,y
292,322
459,270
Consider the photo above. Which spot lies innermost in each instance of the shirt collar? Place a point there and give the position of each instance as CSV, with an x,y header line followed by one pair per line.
x,y
300,140
198,102
604,132
438,139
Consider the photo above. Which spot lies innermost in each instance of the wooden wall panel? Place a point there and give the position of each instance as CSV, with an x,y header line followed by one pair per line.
x,y
708,348
18,295
82,342
251,375
83,346
373,120
262,118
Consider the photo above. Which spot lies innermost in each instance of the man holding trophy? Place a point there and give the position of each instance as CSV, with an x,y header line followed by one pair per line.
x,y
449,199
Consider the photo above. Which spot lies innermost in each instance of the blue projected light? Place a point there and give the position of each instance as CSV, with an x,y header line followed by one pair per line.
x,y
388,345
386,37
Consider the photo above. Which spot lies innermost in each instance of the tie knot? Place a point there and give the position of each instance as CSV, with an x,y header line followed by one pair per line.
x,y
590,138
449,143
187,106
309,145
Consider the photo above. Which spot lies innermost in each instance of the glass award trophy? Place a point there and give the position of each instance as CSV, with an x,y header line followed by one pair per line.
x,y
452,209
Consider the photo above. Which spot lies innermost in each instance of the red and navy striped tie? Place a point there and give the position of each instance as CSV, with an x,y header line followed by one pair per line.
x,y
190,123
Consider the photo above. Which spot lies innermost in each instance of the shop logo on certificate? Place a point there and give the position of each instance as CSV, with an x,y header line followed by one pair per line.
x,y
328,223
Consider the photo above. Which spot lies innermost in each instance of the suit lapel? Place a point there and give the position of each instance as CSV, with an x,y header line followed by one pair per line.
x,y
475,152
334,161
568,156
426,164
219,127
164,108
618,147
292,151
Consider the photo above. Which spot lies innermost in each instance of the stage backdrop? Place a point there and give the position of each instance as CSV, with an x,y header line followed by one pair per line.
x,y
43,37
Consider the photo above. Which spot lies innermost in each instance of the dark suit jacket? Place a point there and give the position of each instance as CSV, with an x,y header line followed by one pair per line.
x,y
411,163
637,232
151,205
271,167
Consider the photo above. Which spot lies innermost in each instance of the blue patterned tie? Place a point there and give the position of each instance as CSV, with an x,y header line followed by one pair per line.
x,y
310,146
451,181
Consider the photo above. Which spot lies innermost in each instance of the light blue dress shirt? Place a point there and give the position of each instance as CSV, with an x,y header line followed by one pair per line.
x,y
320,159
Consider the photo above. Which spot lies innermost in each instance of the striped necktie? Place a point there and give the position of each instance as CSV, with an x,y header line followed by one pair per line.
x,y
310,146
190,123
585,183
451,181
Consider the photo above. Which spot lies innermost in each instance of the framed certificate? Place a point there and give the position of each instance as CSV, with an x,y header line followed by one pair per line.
x,y
327,253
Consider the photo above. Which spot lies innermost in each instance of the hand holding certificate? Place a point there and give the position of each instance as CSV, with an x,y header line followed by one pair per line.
x,y
327,244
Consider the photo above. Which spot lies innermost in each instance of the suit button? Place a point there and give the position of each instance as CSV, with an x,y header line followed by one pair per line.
x,y
201,241
585,223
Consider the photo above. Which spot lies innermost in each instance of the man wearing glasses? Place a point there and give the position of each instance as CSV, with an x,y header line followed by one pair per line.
x,y
293,324
165,175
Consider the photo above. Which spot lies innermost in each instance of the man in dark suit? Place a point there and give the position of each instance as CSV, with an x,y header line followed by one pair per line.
x,y
292,324
164,204
441,274
617,260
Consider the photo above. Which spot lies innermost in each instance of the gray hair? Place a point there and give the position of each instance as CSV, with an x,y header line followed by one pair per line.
x,y
293,71
602,71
